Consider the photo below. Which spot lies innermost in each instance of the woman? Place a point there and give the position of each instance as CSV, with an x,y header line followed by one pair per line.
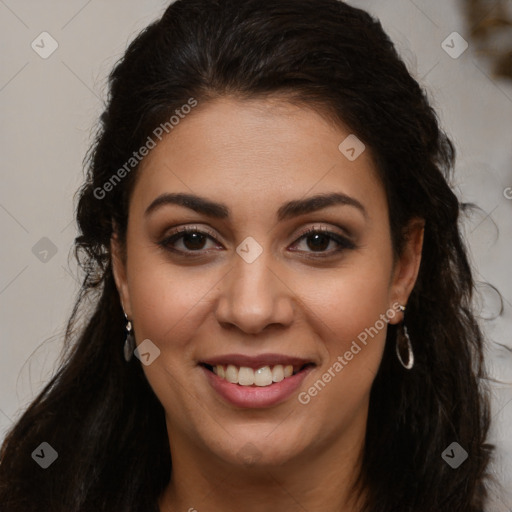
x,y
282,299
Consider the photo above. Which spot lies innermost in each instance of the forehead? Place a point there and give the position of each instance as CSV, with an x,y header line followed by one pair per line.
x,y
256,153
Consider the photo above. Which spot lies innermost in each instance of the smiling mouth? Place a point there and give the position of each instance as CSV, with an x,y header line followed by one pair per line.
x,y
262,377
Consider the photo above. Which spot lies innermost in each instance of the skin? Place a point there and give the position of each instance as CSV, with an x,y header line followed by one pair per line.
x,y
254,155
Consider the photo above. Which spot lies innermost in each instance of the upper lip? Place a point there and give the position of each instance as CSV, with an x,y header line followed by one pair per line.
x,y
256,362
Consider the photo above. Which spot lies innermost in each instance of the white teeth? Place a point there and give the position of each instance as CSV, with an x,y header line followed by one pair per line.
x,y
232,374
245,376
263,376
278,373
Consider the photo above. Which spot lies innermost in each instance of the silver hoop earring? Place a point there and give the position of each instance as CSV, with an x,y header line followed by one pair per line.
x,y
129,343
402,334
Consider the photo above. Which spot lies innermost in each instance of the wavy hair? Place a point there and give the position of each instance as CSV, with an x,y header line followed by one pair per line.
x,y
99,412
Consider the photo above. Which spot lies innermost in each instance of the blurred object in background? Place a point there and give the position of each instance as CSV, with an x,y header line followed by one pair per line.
x,y
490,24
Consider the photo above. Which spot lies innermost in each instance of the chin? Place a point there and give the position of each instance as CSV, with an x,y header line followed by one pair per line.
x,y
259,452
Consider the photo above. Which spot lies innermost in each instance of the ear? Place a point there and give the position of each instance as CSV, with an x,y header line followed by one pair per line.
x,y
407,265
119,271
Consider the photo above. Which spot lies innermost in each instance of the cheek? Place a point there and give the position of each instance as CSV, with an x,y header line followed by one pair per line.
x,y
346,300
350,311
165,298
169,304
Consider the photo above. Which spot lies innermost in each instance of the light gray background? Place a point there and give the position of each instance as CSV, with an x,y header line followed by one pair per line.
x,y
49,109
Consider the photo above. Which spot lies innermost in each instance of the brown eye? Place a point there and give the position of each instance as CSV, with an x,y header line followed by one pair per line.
x,y
319,239
191,239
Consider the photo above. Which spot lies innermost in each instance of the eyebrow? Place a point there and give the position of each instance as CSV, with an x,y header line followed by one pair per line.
x,y
286,211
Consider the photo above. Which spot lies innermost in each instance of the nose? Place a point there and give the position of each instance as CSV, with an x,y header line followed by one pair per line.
x,y
254,296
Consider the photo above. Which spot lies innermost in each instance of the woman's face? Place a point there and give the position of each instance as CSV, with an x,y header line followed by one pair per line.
x,y
246,287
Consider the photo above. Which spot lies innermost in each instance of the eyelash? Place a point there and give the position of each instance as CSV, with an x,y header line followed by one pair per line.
x,y
343,243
